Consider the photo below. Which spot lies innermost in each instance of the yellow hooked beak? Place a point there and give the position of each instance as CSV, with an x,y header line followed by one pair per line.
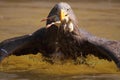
x,y
63,14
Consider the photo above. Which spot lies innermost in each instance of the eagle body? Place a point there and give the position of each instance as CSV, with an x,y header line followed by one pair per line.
x,y
65,38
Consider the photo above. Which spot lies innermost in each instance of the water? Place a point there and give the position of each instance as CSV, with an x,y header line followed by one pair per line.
x,y
102,19
34,76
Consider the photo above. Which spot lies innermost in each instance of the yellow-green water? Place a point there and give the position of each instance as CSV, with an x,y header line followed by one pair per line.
x,y
101,19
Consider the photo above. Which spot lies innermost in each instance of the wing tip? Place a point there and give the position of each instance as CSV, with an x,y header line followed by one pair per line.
x,y
3,54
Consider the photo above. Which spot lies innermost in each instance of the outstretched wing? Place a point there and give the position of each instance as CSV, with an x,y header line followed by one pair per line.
x,y
101,48
27,44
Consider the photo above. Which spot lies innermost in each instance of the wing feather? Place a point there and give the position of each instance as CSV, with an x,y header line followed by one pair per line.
x,y
101,47
27,44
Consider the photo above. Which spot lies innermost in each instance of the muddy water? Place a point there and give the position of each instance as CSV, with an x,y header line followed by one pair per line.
x,y
101,19
33,76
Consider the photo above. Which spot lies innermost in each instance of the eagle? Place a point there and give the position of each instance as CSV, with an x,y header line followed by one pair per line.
x,y
62,36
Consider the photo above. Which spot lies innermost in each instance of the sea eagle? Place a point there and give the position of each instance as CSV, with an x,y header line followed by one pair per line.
x,y
62,36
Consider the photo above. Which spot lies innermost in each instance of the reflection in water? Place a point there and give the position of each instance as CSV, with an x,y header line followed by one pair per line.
x,y
35,76
7,76
98,77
